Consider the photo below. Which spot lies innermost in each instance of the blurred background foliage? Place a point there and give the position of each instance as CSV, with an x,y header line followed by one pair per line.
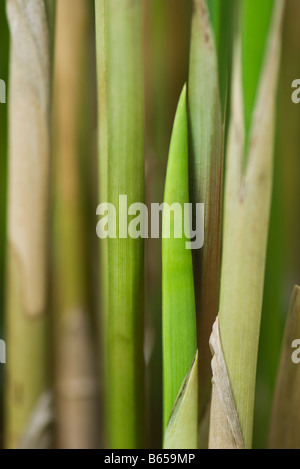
x,y
283,256
167,25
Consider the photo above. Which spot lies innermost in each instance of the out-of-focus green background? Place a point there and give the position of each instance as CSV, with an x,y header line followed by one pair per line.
x,y
166,55
283,257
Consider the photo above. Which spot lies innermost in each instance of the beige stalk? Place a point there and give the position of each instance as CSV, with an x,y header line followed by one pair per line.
x,y
28,213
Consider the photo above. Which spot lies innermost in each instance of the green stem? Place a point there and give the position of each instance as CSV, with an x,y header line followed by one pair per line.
x,y
179,325
121,124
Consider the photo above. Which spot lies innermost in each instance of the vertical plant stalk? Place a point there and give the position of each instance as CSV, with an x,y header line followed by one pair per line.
x,y
121,133
206,169
28,227
76,381
102,89
285,423
247,207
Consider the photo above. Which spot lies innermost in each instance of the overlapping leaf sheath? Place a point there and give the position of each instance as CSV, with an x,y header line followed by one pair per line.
x,y
76,381
285,424
206,170
28,215
182,431
247,206
179,319
121,134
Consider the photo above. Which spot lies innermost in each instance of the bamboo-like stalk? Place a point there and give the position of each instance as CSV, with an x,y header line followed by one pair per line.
x,y
121,134
76,381
285,424
102,87
28,227
247,206
206,170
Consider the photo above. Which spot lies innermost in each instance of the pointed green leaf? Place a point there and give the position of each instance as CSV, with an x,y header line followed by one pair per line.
x,y
179,321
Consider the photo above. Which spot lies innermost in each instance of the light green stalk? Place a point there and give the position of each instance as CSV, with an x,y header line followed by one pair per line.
x,y
179,320
121,134
247,207
28,214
